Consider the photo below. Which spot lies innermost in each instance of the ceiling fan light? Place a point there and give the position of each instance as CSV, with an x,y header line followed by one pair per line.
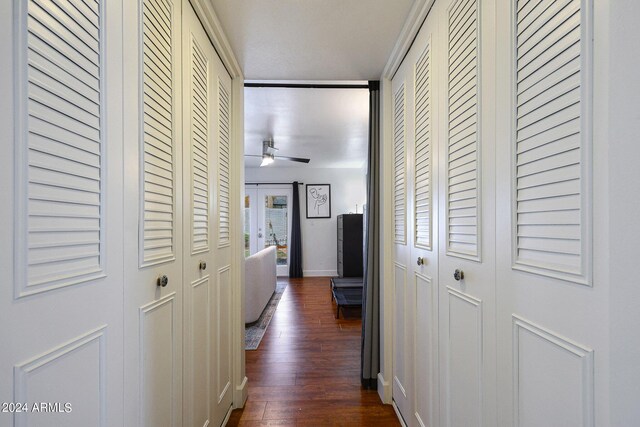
x,y
266,160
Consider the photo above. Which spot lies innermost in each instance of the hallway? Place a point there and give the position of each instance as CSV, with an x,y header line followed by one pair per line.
x,y
306,371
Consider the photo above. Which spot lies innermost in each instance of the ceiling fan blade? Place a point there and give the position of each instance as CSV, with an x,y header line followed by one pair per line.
x,y
293,159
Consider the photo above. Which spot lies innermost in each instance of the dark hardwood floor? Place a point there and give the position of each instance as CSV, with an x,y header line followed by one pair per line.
x,y
306,371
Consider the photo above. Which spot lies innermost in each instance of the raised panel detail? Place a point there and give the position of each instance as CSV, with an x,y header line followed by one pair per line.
x,y
200,352
399,168
72,374
158,352
224,104
553,373
223,332
423,158
464,365
399,332
463,168
158,132
552,224
200,148
59,145
426,335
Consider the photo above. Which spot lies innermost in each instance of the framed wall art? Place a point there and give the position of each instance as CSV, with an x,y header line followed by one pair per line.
x,y
318,200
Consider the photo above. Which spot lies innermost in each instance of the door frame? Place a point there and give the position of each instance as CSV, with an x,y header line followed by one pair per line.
x,y
252,192
213,28
259,191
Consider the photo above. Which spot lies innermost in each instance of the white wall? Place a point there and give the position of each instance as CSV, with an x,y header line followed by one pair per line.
x,y
319,238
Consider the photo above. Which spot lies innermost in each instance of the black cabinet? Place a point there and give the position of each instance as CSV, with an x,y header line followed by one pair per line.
x,y
350,245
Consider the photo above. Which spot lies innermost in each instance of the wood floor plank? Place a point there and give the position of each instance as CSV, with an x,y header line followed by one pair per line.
x,y
306,371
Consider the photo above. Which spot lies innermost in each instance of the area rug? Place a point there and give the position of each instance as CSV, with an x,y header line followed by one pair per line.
x,y
253,333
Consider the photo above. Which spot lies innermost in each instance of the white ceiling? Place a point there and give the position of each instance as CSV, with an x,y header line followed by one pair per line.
x,y
312,39
329,126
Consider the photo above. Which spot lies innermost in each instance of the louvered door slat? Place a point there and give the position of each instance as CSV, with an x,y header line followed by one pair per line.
x,y
422,167
61,230
200,149
549,200
158,226
462,145
399,184
224,225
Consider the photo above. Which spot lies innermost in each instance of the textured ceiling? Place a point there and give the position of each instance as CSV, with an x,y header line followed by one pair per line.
x,y
312,39
329,126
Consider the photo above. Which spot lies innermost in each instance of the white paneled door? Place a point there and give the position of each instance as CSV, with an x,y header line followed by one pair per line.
x,y
552,298
207,285
423,116
61,231
203,298
416,263
497,282
177,202
153,213
402,382
444,220
467,214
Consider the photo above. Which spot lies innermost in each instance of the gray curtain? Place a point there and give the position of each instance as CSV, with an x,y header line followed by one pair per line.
x,y
370,354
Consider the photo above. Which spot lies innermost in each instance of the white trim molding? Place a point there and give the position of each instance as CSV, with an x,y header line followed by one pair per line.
x,y
386,241
48,360
320,273
578,353
412,25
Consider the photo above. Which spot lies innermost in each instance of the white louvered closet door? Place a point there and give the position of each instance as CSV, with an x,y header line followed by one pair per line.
x,y
402,317
61,234
153,213
551,344
423,226
222,314
207,292
467,214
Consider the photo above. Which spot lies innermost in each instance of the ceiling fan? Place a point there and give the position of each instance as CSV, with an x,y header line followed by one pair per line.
x,y
269,154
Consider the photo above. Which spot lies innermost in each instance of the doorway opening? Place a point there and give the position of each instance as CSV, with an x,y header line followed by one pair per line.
x,y
267,222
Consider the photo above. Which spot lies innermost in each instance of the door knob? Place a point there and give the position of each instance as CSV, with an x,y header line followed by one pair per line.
x,y
458,274
202,266
420,260
163,281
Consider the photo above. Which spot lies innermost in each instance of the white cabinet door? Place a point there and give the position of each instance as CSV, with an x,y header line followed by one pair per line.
x,y
207,288
153,213
61,218
467,215
552,298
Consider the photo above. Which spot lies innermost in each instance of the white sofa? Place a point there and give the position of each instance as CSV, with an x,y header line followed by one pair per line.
x,y
260,282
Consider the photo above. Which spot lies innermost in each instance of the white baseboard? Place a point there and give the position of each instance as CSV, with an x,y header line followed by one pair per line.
x,y
320,273
241,394
384,389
